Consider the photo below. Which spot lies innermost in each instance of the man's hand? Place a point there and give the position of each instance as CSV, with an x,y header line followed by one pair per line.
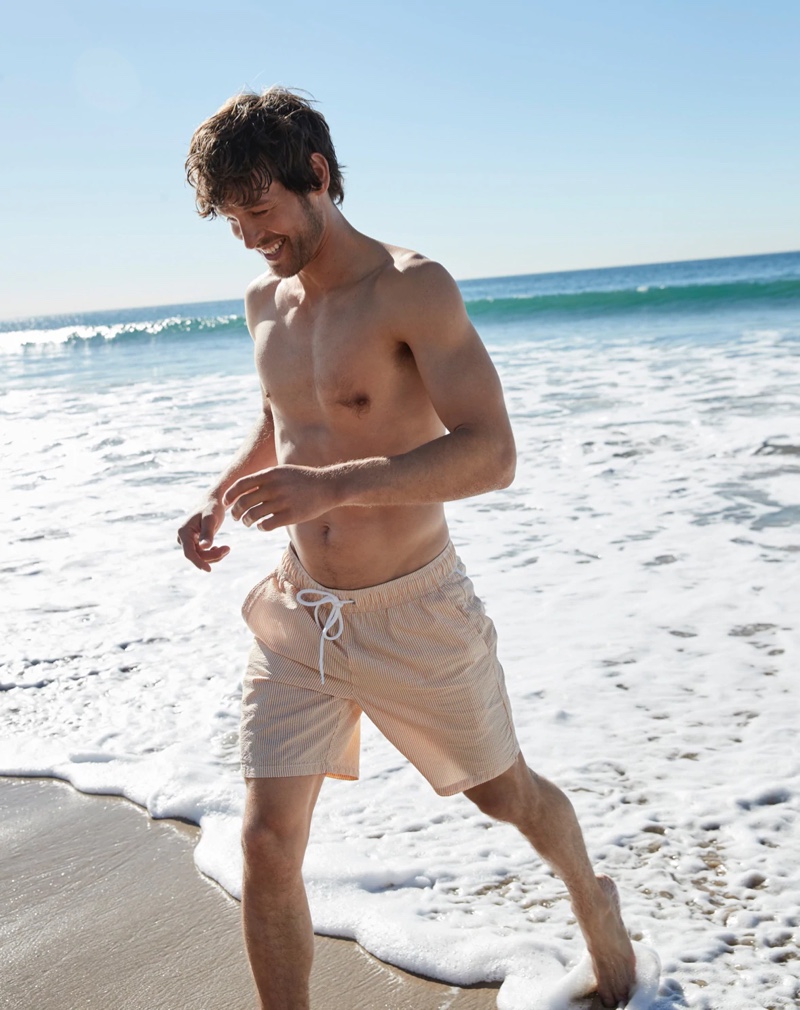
x,y
283,495
196,536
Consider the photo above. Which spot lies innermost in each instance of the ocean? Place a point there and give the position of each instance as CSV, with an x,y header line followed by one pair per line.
x,y
642,572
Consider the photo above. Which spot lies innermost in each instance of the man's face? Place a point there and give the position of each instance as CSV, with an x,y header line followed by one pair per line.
x,y
284,227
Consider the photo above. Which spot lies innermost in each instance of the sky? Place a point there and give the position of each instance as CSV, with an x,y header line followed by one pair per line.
x,y
497,137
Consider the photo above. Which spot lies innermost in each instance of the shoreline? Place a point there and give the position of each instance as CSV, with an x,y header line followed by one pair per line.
x,y
104,907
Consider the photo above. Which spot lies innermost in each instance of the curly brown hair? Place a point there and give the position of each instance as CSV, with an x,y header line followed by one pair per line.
x,y
255,138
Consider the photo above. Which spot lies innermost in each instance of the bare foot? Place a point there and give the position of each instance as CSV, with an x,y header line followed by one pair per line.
x,y
610,948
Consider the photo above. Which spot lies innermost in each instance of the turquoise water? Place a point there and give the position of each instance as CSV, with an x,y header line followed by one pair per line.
x,y
707,301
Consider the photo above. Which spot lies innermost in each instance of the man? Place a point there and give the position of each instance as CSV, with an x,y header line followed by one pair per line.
x,y
379,404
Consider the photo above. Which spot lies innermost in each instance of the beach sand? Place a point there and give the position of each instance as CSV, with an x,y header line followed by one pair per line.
x,y
103,908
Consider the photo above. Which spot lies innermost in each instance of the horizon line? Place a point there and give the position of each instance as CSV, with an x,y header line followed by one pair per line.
x,y
459,280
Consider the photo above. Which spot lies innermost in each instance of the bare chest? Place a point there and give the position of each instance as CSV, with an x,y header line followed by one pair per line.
x,y
320,367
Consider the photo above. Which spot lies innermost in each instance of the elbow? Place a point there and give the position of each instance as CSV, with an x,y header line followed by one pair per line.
x,y
506,466
492,459
507,476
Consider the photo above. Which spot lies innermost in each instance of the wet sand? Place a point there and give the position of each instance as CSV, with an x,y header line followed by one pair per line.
x,y
102,907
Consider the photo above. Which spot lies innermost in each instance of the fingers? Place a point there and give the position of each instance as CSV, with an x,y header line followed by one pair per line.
x,y
268,516
196,540
187,538
214,554
208,527
241,486
263,518
232,494
204,557
260,511
278,496
188,541
273,522
246,502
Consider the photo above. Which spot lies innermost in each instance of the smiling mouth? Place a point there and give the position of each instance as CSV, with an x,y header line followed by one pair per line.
x,y
271,252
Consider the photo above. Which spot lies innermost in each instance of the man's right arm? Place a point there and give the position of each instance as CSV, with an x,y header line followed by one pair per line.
x,y
197,533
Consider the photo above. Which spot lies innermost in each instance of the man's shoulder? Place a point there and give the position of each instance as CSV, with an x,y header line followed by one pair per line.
x,y
261,289
259,299
411,265
412,275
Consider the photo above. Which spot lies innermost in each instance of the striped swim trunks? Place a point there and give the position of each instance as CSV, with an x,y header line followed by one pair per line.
x,y
417,655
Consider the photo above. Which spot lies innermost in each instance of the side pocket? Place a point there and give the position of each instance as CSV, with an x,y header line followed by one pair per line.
x,y
471,606
251,597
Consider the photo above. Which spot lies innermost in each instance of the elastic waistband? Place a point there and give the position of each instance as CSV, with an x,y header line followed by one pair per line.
x,y
388,594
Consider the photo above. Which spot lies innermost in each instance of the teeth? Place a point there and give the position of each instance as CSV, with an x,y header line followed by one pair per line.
x,y
272,249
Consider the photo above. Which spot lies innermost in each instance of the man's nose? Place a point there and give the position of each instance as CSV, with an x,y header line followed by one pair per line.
x,y
250,235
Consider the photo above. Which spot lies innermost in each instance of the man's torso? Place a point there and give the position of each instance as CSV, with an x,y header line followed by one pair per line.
x,y
342,384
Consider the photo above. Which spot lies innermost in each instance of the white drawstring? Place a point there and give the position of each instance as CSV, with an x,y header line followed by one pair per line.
x,y
330,631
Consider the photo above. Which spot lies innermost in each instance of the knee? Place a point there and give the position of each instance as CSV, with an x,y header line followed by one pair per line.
x,y
495,803
510,797
273,851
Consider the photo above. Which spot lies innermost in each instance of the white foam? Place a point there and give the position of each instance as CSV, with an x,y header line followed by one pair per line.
x,y
537,986
45,339
643,576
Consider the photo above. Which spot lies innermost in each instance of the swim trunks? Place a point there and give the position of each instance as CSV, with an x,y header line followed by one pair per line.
x,y
417,655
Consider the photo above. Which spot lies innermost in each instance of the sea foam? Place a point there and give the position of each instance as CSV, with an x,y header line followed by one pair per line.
x,y
642,573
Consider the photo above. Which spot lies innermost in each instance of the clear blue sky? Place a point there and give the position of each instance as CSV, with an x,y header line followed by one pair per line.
x,y
497,137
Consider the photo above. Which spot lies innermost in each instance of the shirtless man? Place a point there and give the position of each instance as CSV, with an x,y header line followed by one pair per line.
x,y
379,404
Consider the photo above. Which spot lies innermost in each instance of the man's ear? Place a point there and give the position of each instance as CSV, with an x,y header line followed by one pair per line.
x,y
319,164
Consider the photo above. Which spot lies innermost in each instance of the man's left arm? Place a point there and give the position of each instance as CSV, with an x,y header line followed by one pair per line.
x,y
475,456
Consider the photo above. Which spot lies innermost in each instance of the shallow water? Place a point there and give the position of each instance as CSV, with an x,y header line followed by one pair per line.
x,y
643,575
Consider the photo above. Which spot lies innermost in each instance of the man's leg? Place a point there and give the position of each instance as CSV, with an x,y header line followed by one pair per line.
x,y
545,817
277,924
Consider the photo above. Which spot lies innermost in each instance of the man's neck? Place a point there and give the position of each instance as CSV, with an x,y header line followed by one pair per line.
x,y
343,257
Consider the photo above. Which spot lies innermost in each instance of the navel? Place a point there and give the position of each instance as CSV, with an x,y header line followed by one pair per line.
x,y
360,403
